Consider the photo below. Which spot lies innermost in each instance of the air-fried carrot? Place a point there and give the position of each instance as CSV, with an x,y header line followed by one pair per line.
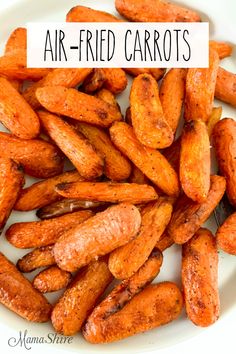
x,y
57,77
19,296
165,242
38,157
44,233
83,156
224,141
79,299
150,161
116,80
94,81
137,176
172,93
155,306
156,73
195,160
67,206
116,166
223,49
126,260
43,193
108,97
97,236
77,105
13,66
172,154
39,257
15,112
214,118
226,86
148,120
51,279
85,14
108,192
155,11
199,278
188,216
200,89
11,182
226,235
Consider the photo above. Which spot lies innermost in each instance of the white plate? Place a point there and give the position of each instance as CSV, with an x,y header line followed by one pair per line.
x,y
220,14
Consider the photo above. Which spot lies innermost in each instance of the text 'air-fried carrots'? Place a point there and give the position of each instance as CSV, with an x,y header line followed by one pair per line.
x,y
43,193
157,305
214,118
11,182
19,296
150,161
97,236
172,93
79,151
77,105
223,49
126,260
226,235
116,166
85,14
200,89
38,157
108,192
195,160
188,216
51,279
44,233
15,112
57,77
155,11
199,278
224,141
79,299
39,257
148,121
67,206
226,86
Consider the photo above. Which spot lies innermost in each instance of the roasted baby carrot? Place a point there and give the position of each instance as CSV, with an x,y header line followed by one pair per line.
x,y
108,97
188,216
43,192
51,279
57,77
148,120
85,14
116,166
108,192
226,87
115,80
67,206
226,235
223,49
155,11
154,306
200,89
15,112
83,156
172,93
19,296
150,161
195,160
157,73
199,278
38,157
97,236
44,233
94,81
77,105
79,299
126,260
224,141
39,257
11,182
